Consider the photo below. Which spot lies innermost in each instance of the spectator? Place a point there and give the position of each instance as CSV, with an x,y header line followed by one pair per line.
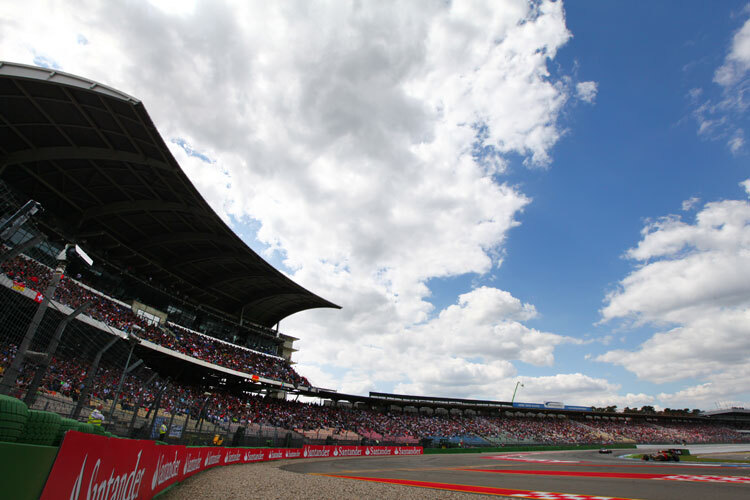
x,y
96,417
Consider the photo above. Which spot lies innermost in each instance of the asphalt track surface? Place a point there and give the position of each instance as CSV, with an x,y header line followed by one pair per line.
x,y
566,475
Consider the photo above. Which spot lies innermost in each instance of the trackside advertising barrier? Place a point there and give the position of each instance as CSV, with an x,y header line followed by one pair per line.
x,y
92,467
310,451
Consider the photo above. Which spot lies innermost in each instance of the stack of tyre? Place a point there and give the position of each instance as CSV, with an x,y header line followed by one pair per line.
x,y
18,424
13,417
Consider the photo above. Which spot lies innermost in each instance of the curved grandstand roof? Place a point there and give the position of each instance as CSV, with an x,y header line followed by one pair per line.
x,y
93,158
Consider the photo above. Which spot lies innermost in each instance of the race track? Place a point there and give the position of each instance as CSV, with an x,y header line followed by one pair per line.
x,y
567,475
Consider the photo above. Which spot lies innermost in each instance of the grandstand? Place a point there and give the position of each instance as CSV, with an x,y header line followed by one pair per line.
x,y
204,308
177,320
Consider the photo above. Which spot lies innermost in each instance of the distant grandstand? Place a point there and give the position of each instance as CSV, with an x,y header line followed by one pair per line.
x,y
177,320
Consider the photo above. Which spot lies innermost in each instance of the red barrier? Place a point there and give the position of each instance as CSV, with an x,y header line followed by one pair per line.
x,y
91,467
95,467
311,451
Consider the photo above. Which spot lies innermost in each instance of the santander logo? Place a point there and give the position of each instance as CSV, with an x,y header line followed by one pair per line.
x,y
165,470
253,456
325,452
408,451
347,451
212,459
115,485
378,450
192,464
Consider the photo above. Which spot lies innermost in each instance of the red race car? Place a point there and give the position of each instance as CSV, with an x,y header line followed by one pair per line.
x,y
662,456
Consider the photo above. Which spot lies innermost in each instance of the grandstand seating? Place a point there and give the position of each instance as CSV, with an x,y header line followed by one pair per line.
x,y
36,276
65,377
350,424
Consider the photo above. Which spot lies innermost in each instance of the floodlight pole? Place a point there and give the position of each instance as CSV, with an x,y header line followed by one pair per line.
x,y
51,350
514,391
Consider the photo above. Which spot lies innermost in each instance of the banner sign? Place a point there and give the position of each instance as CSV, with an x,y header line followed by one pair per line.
x,y
93,467
310,451
535,406
578,408
552,405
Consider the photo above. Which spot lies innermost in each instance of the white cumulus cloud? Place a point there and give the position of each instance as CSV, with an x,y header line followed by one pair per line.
x,y
691,283
719,115
737,61
690,203
347,132
586,91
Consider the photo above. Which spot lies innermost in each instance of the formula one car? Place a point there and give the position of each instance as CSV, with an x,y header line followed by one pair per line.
x,y
662,456
605,450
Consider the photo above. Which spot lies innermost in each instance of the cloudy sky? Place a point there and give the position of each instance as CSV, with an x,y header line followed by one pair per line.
x,y
554,193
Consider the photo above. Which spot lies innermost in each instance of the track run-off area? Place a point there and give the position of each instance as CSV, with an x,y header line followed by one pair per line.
x,y
557,475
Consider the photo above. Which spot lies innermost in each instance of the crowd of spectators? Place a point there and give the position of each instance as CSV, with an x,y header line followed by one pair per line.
x,y
223,354
36,276
630,430
627,429
547,430
66,376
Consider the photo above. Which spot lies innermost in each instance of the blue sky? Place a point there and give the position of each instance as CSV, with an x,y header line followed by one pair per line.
x,y
633,156
594,255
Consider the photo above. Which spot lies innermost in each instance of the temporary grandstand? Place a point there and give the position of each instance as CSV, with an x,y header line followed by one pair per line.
x,y
177,320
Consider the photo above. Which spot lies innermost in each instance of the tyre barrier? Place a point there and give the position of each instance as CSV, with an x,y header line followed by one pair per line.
x,y
41,428
86,428
97,429
65,425
13,416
